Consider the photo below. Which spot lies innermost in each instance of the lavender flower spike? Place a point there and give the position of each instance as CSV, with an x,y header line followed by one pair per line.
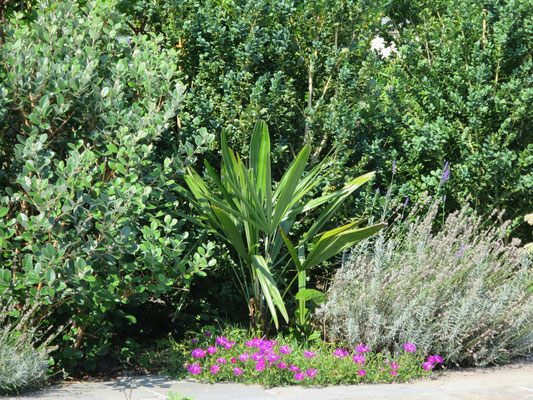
x,y
445,173
394,169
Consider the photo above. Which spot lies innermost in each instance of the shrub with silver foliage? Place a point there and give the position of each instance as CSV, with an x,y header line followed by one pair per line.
x,y
461,292
23,364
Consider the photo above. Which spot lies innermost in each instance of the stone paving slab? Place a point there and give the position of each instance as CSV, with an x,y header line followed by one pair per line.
x,y
514,381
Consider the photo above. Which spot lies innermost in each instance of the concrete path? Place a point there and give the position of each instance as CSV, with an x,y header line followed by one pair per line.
x,y
510,382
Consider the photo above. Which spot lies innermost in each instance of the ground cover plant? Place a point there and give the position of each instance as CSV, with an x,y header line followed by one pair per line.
x,y
281,361
462,291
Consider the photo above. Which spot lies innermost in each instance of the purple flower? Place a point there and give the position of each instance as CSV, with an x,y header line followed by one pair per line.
x,y
257,357
194,341
428,366
282,365
460,252
394,365
445,173
244,356
438,359
238,371
233,361
272,357
388,193
406,202
362,349
311,372
221,341
359,359
214,369
394,372
294,368
394,169
409,347
221,360
299,376
285,349
309,354
259,366
431,359
361,372
340,353
194,369
198,353
207,334
229,345
211,349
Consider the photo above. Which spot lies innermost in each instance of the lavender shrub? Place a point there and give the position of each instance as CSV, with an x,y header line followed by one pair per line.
x,y
461,292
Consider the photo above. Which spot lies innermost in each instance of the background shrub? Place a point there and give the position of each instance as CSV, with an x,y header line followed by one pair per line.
x,y
459,292
89,155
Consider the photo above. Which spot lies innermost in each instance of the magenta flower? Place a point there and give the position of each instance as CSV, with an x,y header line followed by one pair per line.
x,y
221,360
259,366
362,349
221,341
299,376
409,347
309,354
211,349
394,372
438,359
431,359
294,368
282,365
285,349
214,369
249,343
428,366
359,359
272,357
340,353
311,372
194,340
198,353
233,361
244,356
394,366
238,371
194,369
361,372
229,345
257,357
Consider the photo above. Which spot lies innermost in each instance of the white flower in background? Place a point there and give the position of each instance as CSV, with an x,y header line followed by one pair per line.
x,y
385,20
378,45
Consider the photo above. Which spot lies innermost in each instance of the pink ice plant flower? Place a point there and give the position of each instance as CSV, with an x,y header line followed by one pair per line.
x,y
361,372
309,354
311,372
244,356
438,359
260,366
238,371
214,369
285,349
340,353
233,360
428,366
294,368
359,359
256,357
198,353
299,376
194,369
211,349
362,349
409,347
394,366
394,373
221,360
282,365
221,341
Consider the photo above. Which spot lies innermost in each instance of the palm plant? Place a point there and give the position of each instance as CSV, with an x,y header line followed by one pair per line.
x,y
255,219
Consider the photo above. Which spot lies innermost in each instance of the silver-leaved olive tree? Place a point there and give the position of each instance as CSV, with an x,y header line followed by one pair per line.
x,y
254,215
